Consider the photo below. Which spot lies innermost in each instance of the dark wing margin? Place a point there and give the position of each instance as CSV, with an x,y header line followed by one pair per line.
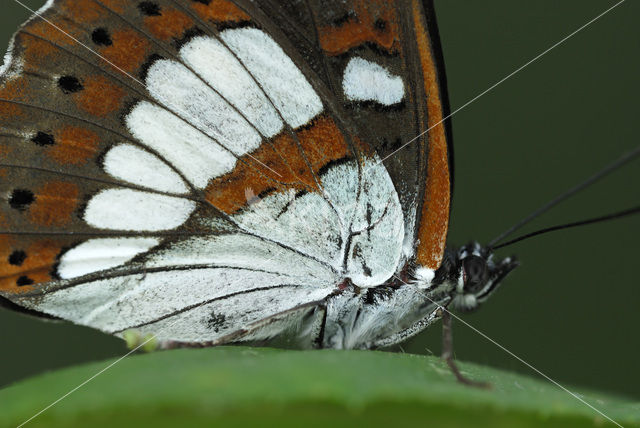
x,y
435,212
436,49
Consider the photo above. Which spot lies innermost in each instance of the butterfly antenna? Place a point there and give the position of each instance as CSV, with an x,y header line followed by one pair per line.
x,y
619,214
566,195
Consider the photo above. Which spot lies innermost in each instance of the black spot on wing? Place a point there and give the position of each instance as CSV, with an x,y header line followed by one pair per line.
x,y
17,258
216,321
232,25
101,37
374,295
266,192
381,25
347,17
20,199
284,209
390,145
366,269
357,253
43,139
70,84
23,281
149,8
365,48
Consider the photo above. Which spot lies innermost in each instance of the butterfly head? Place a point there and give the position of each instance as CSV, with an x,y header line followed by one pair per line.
x,y
474,274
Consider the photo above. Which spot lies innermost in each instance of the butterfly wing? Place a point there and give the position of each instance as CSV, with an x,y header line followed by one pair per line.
x,y
179,167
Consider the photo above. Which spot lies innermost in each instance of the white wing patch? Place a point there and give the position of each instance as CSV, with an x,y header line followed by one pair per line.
x,y
364,80
283,82
100,254
185,93
198,157
377,228
134,165
222,70
126,209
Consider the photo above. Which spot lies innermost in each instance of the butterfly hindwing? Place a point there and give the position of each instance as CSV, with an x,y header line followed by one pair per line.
x,y
169,164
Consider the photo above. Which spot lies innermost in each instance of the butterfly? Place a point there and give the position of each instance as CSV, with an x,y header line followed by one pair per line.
x,y
214,174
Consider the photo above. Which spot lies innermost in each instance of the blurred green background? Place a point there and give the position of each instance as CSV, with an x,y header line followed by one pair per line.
x,y
572,309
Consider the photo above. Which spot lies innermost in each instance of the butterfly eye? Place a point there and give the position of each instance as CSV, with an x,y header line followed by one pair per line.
x,y
475,273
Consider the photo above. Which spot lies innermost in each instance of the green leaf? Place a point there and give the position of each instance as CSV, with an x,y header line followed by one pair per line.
x,y
238,386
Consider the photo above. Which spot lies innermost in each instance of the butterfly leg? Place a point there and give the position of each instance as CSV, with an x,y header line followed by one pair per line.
x,y
447,352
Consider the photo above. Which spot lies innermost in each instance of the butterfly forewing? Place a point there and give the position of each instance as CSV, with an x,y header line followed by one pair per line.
x,y
195,168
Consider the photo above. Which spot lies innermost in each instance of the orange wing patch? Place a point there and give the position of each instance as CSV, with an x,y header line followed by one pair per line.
x,y
82,11
54,204
321,142
169,24
58,34
100,96
37,52
374,22
127,51
228,192
220,11
74,145
22,267
434,220
66,17
14,89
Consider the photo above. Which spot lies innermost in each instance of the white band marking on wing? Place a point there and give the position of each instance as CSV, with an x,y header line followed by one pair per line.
x,y
126,209
134,165
99,254
199,158
217,65
367,81
283,82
